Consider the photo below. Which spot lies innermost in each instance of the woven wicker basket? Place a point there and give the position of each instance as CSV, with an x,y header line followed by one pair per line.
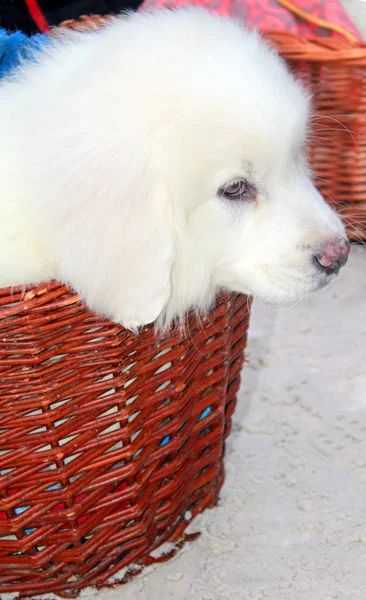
x,y
335,71
109,442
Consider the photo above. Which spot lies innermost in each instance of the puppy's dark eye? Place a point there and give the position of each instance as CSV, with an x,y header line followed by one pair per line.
x,y
236,190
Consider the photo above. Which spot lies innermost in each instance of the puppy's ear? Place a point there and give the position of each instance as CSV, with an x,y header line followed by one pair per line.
x,y
121,260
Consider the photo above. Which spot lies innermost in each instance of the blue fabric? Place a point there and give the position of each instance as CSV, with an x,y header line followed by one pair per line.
x,y
15,47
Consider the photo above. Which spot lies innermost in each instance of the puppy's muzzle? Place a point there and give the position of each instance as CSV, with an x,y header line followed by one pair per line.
x,y
333,256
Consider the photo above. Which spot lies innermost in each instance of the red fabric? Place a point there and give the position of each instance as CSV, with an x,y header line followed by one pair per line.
x,y
37,15
269,15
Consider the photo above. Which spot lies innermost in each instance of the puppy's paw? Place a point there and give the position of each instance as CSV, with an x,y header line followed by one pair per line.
x,y
145,311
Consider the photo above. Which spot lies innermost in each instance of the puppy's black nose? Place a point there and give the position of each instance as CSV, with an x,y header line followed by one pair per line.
x,y
333,256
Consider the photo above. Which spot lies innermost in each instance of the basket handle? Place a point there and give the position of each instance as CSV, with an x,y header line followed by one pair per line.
x,y
316,21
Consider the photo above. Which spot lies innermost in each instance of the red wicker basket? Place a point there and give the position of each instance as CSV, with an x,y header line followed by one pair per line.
x,y
335,72
109,442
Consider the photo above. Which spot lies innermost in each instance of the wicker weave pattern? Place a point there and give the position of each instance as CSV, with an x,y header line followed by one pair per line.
x,y
106,439
335,72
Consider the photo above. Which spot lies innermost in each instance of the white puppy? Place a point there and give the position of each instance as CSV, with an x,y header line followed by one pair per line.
x,y
157,161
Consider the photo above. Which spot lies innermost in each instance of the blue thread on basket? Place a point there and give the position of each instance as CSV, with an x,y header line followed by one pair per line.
x,y
18,511
21,509
164,441
205,413
55,486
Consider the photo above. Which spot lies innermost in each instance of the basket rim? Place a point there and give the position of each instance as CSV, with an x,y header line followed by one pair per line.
x,y
295,46
318,49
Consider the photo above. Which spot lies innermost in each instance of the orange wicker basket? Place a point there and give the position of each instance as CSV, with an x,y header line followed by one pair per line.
x,y
335,72
110,443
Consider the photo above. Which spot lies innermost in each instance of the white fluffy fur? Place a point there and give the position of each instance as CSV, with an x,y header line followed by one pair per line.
x,y
113,147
